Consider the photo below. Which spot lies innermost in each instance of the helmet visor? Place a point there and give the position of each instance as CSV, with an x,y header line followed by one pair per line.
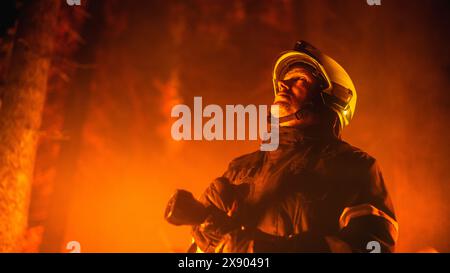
x,y
291,59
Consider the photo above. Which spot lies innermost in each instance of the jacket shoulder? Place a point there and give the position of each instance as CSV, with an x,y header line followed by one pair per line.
x,y
351,154
247,161
244,165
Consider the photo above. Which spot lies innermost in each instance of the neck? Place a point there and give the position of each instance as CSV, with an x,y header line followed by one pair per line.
x,y
303,131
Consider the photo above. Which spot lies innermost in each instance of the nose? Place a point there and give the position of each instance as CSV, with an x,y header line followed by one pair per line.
x,y
282,86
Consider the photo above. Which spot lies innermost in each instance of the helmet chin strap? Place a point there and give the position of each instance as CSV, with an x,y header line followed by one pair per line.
x,y
299,115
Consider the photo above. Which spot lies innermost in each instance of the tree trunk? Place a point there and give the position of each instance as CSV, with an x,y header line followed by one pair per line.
x,y
22,101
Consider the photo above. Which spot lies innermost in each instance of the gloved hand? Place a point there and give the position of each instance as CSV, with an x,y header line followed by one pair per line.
x,y
222,200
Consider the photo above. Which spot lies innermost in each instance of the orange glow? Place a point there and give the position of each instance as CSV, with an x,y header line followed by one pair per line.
x,y
159,55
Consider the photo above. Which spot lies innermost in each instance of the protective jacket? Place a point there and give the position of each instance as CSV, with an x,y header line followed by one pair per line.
x,y
315,193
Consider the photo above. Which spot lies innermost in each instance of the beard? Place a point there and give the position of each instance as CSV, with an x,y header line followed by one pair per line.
x,y
285,108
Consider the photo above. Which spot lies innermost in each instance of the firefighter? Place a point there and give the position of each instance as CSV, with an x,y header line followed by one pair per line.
x,y
315,193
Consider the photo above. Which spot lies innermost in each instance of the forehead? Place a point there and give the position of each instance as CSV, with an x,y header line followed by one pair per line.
x,y
302,69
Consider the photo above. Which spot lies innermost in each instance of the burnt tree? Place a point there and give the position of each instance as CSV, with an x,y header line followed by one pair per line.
x,y
22,101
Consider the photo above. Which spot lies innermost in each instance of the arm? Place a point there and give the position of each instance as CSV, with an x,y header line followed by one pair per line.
x,y
220,198
371,216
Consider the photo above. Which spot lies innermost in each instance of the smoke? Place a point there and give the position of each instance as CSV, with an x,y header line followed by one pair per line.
x,y
163,53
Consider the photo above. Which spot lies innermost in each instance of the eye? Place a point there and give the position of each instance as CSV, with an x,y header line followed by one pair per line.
x,y
302,79
296,80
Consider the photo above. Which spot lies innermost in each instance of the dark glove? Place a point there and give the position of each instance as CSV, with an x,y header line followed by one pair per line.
x,y
222,199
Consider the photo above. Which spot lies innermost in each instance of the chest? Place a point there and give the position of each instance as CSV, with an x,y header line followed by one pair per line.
x,y
292,196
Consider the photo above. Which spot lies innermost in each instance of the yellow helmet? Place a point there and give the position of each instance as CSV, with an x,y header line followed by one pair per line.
x,y
337,90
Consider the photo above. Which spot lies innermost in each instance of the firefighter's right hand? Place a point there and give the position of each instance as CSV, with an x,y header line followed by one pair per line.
x,y
214,228
222,200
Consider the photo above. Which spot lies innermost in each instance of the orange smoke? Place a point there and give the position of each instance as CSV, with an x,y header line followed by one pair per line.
x,y
162,54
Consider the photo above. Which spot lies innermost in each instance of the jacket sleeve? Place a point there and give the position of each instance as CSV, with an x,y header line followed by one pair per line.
x,y
219,197
370,221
